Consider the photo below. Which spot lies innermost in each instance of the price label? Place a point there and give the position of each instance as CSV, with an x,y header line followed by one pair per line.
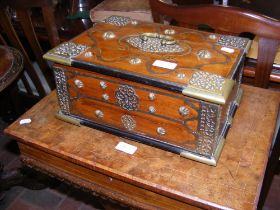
x,y
125,147
165,64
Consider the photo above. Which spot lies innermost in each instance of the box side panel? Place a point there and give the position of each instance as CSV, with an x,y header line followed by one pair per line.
x,y
228,110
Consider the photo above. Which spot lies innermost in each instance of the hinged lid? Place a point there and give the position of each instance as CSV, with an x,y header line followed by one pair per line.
x,y
198,64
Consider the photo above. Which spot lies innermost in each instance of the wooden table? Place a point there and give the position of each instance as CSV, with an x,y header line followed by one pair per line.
x,y
152,178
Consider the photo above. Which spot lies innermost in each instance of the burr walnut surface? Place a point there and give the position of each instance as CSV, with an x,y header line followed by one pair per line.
x,y
153,178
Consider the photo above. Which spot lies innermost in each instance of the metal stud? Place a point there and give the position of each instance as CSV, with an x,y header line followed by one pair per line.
x,y
135,61
103,84
205,54
181,75
109,35
105,97
88,54
99,113
152,109
152,96
212,36
169,31
78,83
134,22
184,111
161,131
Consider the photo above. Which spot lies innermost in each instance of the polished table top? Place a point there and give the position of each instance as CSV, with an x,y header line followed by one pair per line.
x,y
234,183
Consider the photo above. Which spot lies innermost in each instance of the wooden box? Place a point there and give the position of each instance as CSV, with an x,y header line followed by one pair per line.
x,y
169,87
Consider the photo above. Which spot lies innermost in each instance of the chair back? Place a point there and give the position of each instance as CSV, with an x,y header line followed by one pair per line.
x,y
23,13
192,2
229,20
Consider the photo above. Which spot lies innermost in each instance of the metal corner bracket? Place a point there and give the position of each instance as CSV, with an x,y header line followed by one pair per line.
x,y
64,52
212,161
218,97
62,60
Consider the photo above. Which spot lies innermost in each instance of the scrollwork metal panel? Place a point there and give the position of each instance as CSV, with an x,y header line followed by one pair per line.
x,y
69,49
127,98
232,41
118,20
62,91
207,81
207,129
128,122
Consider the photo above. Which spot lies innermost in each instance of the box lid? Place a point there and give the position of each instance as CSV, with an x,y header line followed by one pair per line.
x,y
198,64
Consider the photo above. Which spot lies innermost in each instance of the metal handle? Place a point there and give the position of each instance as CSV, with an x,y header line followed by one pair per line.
x,y
165,40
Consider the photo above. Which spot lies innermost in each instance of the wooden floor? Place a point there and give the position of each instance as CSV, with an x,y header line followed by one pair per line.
x,y
58,195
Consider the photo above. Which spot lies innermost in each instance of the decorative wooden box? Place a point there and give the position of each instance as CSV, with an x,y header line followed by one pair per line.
x,y
169,87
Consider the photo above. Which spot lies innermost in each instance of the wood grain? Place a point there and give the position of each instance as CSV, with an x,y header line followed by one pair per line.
x,y
115,53
80,152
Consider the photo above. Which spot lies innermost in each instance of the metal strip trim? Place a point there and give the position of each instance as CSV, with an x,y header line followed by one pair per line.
x,y
59,115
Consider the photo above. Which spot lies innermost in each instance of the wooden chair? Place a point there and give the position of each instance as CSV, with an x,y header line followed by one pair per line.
x,y
229,20
22,10
192,2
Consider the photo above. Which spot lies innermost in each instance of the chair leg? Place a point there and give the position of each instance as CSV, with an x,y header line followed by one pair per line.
x,y
270,171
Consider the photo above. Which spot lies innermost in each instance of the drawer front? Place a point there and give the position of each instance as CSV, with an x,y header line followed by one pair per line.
x,y
142,110
133,96
134,122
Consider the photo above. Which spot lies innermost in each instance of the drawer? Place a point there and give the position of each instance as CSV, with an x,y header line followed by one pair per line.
x,y
132,96
136,122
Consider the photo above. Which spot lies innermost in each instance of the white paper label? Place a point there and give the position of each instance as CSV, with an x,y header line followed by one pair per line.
x,y
127,148
165,64
25,121
228,50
